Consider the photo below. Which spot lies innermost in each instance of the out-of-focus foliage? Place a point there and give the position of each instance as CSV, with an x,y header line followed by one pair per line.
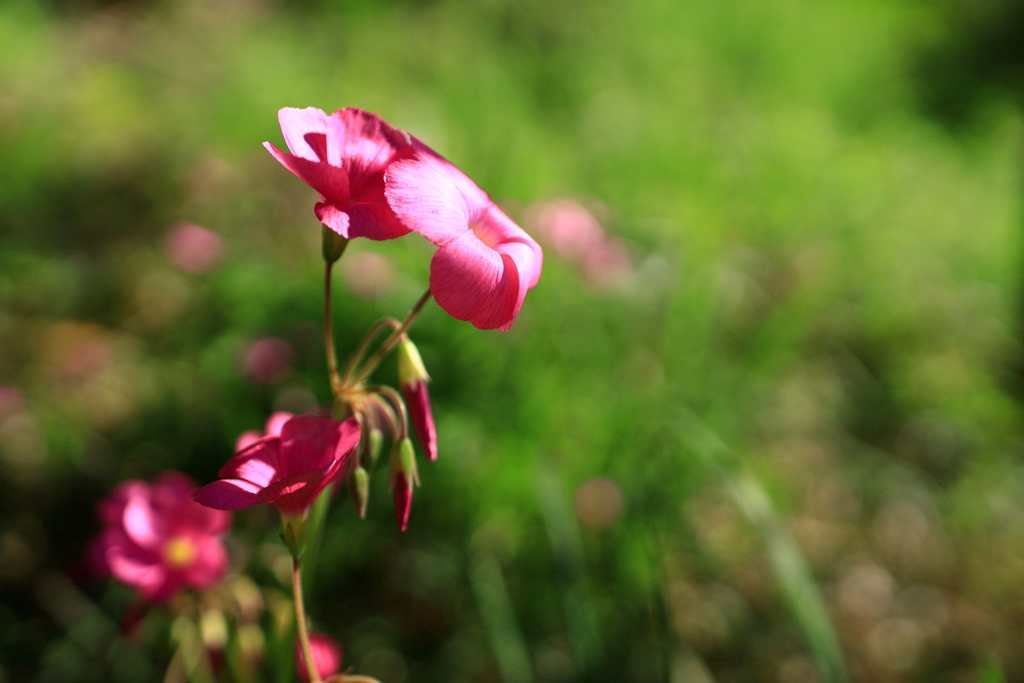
x,y
806,264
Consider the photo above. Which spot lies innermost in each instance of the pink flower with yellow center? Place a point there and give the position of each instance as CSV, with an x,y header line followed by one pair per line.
x,y
157,539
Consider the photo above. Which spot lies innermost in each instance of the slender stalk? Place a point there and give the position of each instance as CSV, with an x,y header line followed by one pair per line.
x,y
396,400
332,359
300,618
365,343
388,344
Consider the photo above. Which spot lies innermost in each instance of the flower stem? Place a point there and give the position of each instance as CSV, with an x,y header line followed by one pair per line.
x,y
300,618
365,343
395,399
332,359
390,342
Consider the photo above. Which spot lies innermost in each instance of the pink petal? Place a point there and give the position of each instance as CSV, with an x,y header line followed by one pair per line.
x,y
296,124
425,198
210,564
473,282
276,422
307,444
295,495
260,461
374,219
143,527
227,494
333,217
331,182
496,229
246,439
364,144
111,508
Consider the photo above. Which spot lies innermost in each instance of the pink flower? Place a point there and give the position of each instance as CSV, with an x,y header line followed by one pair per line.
x,y
343,157
485,263
268,360
158,539
326,656
288,470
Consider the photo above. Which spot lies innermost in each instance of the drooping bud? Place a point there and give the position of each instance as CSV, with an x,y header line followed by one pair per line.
x,y
326,656
333,244
413,377
359,489
403,477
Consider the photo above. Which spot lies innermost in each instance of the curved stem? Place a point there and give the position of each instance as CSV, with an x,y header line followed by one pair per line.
x,y
332,359
376,358
396,400
367,338
300,617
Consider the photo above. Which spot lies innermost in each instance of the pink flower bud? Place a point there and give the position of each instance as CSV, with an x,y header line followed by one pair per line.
x,y
326,656
413,377
403,477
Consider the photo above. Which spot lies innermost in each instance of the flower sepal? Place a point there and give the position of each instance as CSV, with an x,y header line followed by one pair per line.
x,y
296,530
359,489
333,244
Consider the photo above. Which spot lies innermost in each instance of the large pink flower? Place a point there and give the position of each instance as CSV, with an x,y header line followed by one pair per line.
x,y
343,157
158,539
288,470
485,263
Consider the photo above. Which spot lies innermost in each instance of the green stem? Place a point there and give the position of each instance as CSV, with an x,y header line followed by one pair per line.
x,y
396,400
365,343
332,359
300,617
376,358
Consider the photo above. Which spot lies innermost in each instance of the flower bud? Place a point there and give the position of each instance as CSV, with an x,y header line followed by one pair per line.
x,y
403,477
376,442
333,244
326,656
410,363
359,489
413,377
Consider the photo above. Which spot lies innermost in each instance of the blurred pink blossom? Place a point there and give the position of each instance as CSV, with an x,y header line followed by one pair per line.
x,y
326,656
268,360
157,539
576,234
194,249
368,275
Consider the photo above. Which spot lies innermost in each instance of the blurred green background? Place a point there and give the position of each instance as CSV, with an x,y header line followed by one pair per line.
x,y
772,432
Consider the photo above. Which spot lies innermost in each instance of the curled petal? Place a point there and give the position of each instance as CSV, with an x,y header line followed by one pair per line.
x,y
473,282
425,197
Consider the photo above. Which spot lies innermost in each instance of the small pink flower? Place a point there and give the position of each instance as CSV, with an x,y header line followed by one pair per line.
x,y
288,470
158,539
326,656
485,262
343,157
194,249
268,360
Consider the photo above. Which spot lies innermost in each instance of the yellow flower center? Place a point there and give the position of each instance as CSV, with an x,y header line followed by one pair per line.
x,y
179,552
